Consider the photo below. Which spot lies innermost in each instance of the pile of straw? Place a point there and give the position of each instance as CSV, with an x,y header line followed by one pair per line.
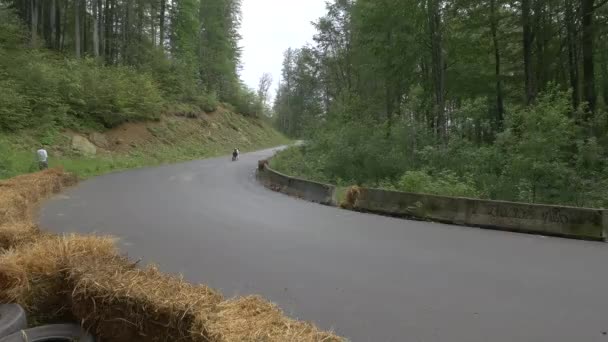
x,y
19,198
17,233
352,196
121,303
253,319
33,274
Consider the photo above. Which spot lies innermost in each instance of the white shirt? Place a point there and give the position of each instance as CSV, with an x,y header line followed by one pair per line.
x,y
42,155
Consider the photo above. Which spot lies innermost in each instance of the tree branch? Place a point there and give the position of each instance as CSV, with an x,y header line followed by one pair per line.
x,y
602,3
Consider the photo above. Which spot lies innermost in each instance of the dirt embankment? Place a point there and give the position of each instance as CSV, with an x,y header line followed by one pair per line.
x,y
85,279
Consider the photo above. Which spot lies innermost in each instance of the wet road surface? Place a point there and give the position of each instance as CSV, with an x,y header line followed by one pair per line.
x,y
369,278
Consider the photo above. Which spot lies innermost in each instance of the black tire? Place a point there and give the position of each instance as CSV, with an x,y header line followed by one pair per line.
x,y
12,319
52,332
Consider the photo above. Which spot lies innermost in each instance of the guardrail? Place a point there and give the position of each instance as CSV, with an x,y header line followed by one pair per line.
x,y
561,221
301,188
570,222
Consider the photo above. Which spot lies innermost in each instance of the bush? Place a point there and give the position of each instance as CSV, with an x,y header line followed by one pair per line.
x,y
14,108
43,89
246,102
539,143
445,183
207,102
294,161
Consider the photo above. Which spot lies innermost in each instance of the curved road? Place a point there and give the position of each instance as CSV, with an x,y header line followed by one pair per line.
x,y
370,278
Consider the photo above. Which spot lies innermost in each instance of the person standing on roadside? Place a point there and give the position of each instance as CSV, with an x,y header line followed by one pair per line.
x,y
43,159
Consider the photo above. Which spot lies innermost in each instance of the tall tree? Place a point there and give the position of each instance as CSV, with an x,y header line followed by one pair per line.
x,y
96,30
437,65
77,28
528,38
264,87
494,24
34,20
573,64
161,24
587,12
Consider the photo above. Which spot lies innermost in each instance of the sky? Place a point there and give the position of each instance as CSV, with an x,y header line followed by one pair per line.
x,y
270,27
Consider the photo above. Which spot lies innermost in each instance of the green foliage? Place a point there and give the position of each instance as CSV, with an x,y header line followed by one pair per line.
x,y
14,108
247,102
444,183
46,90
540,157
133,78
446,97
113,95
294,161
539,142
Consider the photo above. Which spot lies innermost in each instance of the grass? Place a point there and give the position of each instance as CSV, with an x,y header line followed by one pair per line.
x,y
171,140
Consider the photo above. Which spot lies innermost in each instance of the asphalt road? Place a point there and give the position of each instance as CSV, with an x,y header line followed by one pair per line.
x,y
369,278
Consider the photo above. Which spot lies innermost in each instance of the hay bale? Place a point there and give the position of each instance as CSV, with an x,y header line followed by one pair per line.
x,y
253,319
16,234
128,304
14,207
20,195
352,195
33,274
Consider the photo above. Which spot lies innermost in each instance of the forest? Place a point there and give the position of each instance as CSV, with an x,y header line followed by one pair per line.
x,y
498,99
99,63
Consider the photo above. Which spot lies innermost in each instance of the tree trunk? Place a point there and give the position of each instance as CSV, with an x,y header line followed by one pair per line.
x,y
45,22
588,67
65,23
161,23
140,20
527,45
572,54
438,66
541,78
95,29
126,31
494,22
77,28
34,20
153,15
58,29
84,30
53,24
101,27
114,39
604,72
108,19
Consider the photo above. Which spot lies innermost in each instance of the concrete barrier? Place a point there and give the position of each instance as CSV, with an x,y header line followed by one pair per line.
x,y
308,190
571,222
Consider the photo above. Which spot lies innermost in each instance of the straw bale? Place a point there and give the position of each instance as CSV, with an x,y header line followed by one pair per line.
x,y
19,198
253,319
131,304
33,274
17,233
352,195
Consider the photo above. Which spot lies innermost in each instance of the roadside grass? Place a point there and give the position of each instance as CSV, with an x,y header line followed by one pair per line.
x,y
294,162
172,140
